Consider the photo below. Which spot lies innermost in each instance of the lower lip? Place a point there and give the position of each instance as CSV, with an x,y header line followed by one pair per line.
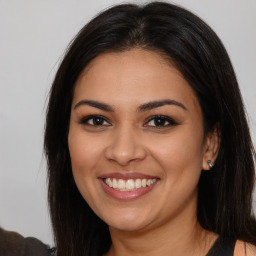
x,y
126,195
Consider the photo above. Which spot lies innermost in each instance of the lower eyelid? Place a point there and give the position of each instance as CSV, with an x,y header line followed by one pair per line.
x,y
87,119
170,121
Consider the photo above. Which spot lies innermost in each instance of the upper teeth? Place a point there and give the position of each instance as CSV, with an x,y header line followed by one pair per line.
x,y
128,185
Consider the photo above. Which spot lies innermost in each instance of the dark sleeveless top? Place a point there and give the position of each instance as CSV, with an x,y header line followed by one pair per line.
x,y
222,247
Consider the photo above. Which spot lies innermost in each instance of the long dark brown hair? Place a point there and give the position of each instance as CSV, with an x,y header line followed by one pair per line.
x,y
225,194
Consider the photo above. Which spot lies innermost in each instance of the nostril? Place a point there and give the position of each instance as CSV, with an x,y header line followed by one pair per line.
x,y
125,155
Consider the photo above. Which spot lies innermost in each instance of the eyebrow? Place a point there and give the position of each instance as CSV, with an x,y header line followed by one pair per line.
x,y
144,107
155,104
95,104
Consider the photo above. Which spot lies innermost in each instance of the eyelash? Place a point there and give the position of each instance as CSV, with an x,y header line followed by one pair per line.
x,y
85,120
102,119
171,121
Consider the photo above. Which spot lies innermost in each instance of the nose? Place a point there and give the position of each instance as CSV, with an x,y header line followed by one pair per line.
x,y
125,147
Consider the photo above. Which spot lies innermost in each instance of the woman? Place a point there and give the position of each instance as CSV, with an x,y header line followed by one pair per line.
x,y
148,147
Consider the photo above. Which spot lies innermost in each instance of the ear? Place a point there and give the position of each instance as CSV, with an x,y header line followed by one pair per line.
x,y
211,147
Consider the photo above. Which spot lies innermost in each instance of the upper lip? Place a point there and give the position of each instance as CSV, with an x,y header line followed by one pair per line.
x,y
127,176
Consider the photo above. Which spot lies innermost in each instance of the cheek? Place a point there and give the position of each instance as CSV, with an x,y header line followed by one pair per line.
x,y
85,158
179,154
84,154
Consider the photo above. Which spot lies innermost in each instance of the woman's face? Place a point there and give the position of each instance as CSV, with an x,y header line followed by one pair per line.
x,y
136,140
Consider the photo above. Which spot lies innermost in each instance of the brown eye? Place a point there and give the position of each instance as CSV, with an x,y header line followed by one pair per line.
x,y
95,120
160,122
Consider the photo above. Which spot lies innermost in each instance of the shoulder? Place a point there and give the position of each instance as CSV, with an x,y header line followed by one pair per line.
x,y
12,243
244,249
35,247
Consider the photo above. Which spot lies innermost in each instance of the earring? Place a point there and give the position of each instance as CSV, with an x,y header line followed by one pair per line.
x,y
210,164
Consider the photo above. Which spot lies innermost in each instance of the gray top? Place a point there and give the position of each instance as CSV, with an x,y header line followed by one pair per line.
x,y
13,244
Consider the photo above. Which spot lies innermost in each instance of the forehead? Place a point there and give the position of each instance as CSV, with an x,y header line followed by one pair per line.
x,y
132,76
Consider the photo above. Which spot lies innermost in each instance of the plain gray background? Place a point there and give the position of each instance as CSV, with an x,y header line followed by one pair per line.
x,y
34,35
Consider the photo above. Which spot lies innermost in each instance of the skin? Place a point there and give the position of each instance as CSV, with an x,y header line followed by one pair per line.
x,y
244,249
127,141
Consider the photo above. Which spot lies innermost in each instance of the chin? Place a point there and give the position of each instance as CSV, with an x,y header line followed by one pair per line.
x,y
127,222
127,226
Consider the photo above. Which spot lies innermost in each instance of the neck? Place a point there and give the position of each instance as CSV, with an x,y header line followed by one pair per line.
x,y
180,236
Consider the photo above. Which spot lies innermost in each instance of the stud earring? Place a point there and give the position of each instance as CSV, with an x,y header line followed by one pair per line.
x,y
210,164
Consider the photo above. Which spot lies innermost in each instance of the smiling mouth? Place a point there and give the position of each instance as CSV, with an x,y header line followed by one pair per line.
x,y
129,184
